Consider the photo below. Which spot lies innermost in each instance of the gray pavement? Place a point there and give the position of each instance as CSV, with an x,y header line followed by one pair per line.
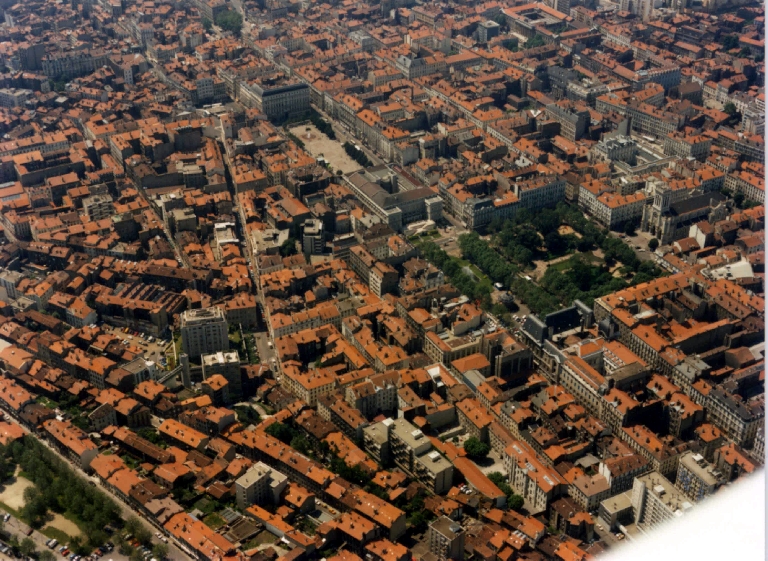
x,y
153,351
343,135
262,347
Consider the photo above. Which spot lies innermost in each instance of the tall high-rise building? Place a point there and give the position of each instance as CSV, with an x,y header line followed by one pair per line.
x,y
446,539
204,331
562,6
259,485
655,500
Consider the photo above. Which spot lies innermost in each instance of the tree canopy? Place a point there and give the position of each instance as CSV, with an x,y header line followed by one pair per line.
x,y
535,41
514,244
282,432
229,20
514,501
288,247
160,551
730,42
59,489
476,449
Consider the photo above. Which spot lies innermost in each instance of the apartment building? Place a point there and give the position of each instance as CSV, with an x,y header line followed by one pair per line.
x,y
537,483
474,418
540,192
687,146
750,185
585,383
617,148
308,386
71,442
650,120
183,435
697,478
98,207
412,452
611,209
738,419
655,501
574,120
71,64
417,67
14,97
279,98
383,279
259,485
376,441
204,331
446,347
446,539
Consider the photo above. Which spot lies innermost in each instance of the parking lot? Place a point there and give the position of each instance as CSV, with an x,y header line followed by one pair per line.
x,y
639,242
153,350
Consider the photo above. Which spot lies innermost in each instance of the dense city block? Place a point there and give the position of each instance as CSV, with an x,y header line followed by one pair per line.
x,y
376,281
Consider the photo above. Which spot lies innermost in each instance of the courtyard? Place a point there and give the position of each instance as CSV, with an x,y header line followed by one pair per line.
x,y
320,146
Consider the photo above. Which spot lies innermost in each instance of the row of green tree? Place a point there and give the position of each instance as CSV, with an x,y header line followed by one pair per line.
x,y
514,501
140,532
454,270
357,154
323,126
477,251
59,489
296,140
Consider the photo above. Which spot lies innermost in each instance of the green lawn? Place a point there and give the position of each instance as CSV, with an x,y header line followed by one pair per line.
x,y
15,513
49,403
56,534
214,521
482,276
129,461
426,236
268,409
568,263
207,506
